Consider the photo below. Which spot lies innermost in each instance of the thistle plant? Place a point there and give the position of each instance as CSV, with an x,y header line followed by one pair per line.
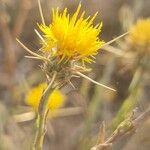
x,y
139,36
138,42
55,100
67,45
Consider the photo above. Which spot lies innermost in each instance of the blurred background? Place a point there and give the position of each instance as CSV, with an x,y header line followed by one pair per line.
x,y
76,125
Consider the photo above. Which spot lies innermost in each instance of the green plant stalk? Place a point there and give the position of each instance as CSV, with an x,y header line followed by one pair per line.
x,y
131,101
42,115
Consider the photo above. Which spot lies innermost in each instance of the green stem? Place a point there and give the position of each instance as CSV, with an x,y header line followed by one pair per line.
x,y
131,101
42,115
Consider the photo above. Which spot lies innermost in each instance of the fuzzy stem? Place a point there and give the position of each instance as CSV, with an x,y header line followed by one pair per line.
x,y
42,115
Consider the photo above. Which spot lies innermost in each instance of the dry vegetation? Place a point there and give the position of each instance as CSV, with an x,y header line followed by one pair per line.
x,y
91,117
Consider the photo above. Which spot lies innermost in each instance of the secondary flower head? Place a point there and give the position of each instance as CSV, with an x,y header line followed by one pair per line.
x,y
140,34
74,38
56,99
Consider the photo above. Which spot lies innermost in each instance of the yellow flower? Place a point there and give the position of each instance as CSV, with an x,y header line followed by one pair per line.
x,y
56,99
71,37
140,34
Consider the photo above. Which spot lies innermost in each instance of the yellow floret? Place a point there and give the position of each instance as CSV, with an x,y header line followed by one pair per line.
x,y
140,34
56,99
72,37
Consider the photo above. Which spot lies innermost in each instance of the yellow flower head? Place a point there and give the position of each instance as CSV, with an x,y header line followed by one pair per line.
x,y
140,34
71,38
56,99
